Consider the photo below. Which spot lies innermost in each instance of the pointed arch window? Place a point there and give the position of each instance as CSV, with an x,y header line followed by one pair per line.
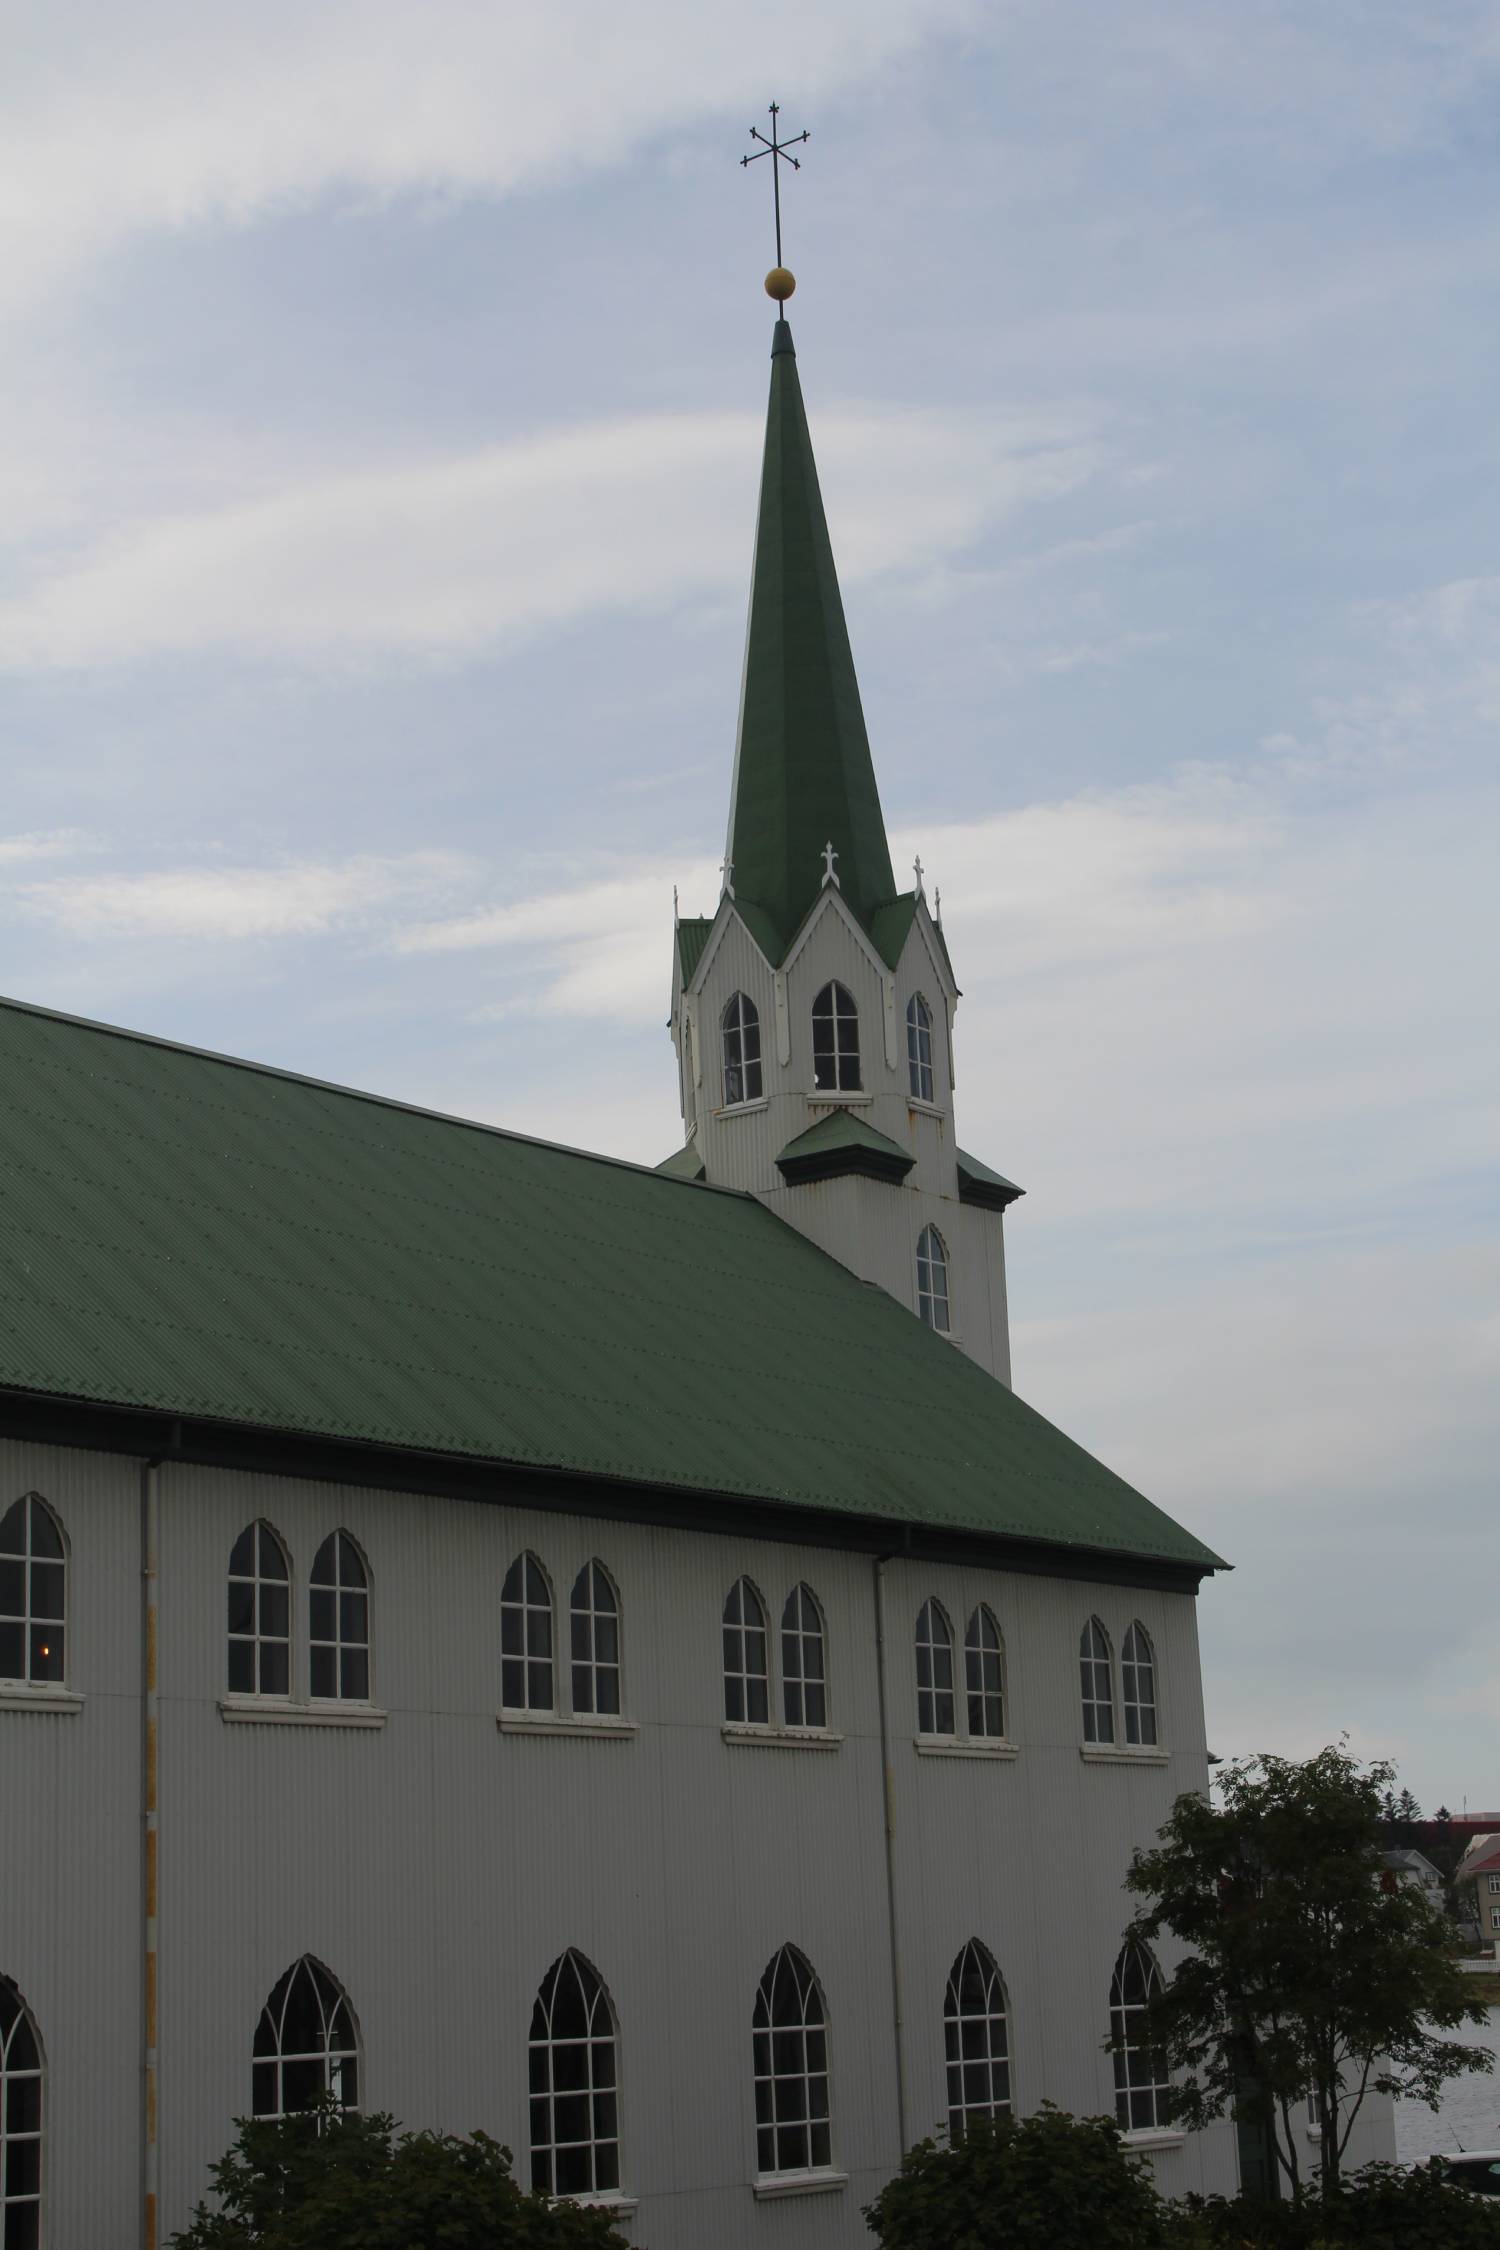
x,y
33,1593
976,2040
575,2116
742,1074
935,1706
1141,2081
932,1280
526,1637
260,1623
1138,1685
594,1617
306,2044
338,1622
747,1695
835,1028
919,1048
804,1687
21,2099
792,2123
984,1675
1096,1679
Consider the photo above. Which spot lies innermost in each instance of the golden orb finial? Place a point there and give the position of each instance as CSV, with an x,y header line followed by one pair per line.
x,y
780,284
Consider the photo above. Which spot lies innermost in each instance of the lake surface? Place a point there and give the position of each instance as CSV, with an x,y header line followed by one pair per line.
x,y
1469,2116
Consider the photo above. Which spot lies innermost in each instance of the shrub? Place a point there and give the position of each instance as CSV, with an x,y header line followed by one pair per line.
x,y
1379,2208
1047,2182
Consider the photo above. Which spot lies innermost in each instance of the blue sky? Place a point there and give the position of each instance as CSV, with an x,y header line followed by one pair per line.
x,y
379,429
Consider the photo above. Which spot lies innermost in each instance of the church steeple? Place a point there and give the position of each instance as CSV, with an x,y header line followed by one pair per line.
x,y
803,776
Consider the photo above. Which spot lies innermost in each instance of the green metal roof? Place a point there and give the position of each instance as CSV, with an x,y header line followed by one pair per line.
x,y
978,1183
214,1239
841,1143
683,1164
692,937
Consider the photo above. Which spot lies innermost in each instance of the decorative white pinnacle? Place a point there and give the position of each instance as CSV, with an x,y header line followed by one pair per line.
x,y
676,917
829,856
726,876
916,866
937,908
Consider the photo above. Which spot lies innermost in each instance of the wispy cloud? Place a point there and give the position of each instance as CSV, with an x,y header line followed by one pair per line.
x,y
230,904
53,843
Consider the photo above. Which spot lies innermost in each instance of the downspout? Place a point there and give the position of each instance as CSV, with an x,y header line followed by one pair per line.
x,y
888,1789
150,2160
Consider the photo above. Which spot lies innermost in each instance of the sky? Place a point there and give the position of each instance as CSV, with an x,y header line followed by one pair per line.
x,y
381,400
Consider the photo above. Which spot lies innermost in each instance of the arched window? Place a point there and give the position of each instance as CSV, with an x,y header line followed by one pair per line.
x,y
33,1592
919,1047
21,2089
932,1280
338,1622
260,1623
526,1637
835,1026
974,2037
1096,1683
575,2118
741,1022
747,1699
804,1687
791,2068
306,2044
982,1675
1138,1685
1140,2069
934,1671
595,1618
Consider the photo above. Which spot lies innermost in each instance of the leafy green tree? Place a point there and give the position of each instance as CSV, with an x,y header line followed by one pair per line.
x,y
329,2179
1047,2182
1312,1973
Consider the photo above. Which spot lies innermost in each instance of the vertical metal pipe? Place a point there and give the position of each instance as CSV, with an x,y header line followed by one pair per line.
x,y
150,1537
888,1786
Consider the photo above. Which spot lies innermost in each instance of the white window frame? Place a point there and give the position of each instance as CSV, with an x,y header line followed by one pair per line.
x,y
258,1638
733,1040
1140,1703
336,2057
919,1071
595,2081
594,1653
20,2038
793,2128
976,2041
845,1044
349,1640
1495,1886
52,1653
1096,1657
804,1660
934,1297
739,1676
1126,2016
519,1608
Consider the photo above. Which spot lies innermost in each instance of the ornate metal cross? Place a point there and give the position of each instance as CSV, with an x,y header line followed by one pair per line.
x,y
778,151
829,856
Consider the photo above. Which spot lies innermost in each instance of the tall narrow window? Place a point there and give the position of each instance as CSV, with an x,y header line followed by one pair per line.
x,y
835,1024
932,1280
33,1592
20,2123
804,1688
1096,1683
747,1698
306,2044
791,2068
1138,1685
575,2116
1140,2069
982,1675
595,1620
526,1637
338,1622
974,2036
919,1047
260,1624
934,1671
742,1079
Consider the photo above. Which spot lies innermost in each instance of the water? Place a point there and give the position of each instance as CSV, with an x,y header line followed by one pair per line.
x,y
1469,2113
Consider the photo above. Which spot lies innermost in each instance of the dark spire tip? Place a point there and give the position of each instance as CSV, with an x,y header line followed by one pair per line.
x,y
781,341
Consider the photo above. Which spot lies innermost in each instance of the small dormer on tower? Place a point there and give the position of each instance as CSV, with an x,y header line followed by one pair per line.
x,y
812,1013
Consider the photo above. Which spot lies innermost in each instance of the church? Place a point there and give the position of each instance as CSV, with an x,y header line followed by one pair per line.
x,y
525,1641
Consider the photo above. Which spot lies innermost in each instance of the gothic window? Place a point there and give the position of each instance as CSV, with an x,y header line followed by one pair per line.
x,y
338,1622
1097,1684
975,2040
935,1710
306,2044
747,1698
1138,1685
21,2090
1140,2068
804,1687
932,1280
835,1025
595,1619
791,2068
526,1637
742,1079
260,1625
982,1676
33,1592
919,1047
575,2116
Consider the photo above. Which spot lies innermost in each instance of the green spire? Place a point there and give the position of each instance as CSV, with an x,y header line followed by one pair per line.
x,y
802,771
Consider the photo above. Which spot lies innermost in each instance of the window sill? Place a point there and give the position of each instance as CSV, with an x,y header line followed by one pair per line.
x,y
742,1109
15,1695
772,2184
1155,2136
780,1738
829,1097
262,1711
622,2206
586,1725
925,1109
959,1746
1122,1754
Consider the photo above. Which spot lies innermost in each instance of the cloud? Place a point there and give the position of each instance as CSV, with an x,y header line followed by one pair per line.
x,y
54,843
228,904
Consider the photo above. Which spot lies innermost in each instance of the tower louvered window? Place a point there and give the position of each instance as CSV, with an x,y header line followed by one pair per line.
x,y
33,1593
306,2044
919,1048
742,1074
792,2123
575,2120
835,1027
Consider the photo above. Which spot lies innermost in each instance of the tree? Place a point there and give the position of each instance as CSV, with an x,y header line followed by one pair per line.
x,y
330,2179
1310,1975
1049,2182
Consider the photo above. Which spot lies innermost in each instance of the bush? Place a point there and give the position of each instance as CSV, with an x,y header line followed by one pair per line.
x,y
1047,2182
1379,2208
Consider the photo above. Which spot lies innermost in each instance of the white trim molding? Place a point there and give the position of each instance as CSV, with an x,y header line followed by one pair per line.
x,y
962,1746
588,1726
1123,1754
265,1711
15,1695
767,2185
1155,2136
779,1738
